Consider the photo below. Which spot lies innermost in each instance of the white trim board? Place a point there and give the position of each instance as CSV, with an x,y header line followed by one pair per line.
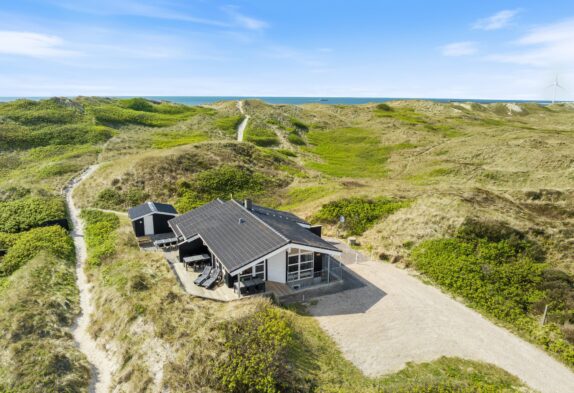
x,y
150,213
284,248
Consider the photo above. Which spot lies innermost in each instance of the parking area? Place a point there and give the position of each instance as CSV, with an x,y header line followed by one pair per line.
x,y
392,318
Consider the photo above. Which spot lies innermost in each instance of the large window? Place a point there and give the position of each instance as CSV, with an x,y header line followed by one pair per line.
x,y
299,264
255,271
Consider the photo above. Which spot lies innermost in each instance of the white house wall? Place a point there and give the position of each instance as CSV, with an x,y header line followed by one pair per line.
x,y
276,267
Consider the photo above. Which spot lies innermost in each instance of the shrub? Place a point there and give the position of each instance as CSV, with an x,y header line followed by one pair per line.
x,y
256,348
53,240
109,198
262,137
299,125
99,235
50,111
23,214
498,270
360,213
384,107
295,139
137,104
221,182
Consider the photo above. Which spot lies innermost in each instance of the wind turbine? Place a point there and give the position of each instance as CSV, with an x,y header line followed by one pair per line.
x,y
555,85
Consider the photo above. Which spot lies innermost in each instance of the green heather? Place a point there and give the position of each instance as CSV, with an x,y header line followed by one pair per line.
x,y
501,272
22,214
261,136
359,213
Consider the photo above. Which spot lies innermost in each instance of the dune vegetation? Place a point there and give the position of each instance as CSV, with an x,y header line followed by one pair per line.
x,y
471,195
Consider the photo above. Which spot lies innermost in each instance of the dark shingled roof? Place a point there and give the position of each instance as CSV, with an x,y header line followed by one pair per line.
x,y
150,207
238,236
295,233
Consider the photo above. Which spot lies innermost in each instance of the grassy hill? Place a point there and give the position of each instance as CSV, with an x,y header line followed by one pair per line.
x,y
432,184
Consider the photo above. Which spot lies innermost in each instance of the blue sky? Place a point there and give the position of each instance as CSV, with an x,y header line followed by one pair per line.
x,y
455,49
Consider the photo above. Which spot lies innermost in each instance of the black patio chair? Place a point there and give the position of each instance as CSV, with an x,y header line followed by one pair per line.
x,y
209,283
203,276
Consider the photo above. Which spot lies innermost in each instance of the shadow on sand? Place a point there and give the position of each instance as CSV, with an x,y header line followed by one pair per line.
x,y
370,295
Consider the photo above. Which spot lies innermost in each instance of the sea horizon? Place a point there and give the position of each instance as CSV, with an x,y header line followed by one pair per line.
x,y
294,100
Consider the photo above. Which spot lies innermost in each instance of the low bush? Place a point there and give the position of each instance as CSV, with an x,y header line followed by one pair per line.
x,y
501,272
261,137
68,134
53,240
7,240
360,213
36,312
295,138
383,107
99,234
257,353
111,198
50,111
299,125
222,182
23,214
115,115
137,104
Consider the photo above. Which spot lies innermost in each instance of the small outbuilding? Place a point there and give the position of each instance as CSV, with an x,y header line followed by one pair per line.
x,y
151,218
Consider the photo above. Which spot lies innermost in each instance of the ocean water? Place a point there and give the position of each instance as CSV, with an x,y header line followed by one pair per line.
x,y
202,100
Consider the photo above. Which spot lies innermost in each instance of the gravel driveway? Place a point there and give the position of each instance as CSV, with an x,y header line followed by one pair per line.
x,y
394,318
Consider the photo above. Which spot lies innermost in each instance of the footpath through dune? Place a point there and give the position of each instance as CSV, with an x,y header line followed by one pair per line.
x,y
102,366
243,123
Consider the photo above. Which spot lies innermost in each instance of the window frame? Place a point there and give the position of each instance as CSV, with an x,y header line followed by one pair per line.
x,y
303,259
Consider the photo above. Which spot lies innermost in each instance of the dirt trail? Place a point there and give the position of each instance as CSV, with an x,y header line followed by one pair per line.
x,y
243,123
102,366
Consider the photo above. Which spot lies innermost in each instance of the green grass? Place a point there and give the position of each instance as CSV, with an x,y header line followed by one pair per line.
x,y
229,124
360,213
39,303
431,176
294,138
300,195
168,139
260,136
446,131
406,115
350,152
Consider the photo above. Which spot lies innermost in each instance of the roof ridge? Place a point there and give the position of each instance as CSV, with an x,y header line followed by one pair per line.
x,y
261,221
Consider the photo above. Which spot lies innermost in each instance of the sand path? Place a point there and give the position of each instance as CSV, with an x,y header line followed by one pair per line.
x,y
102,366
243,123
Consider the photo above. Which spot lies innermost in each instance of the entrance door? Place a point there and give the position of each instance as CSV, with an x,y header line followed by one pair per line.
x,y
148,225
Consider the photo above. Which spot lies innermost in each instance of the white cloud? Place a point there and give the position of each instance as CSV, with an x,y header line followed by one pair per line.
x,y
25,43
497,21
465,48
545,46
245,21
142,8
